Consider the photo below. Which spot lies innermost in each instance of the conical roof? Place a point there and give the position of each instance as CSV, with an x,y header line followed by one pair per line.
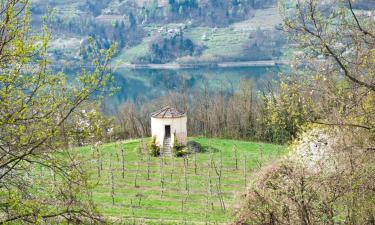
x,y
167,112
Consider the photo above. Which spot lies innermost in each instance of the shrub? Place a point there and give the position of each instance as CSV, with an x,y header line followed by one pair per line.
x,y
179,150
154,148
316,184
181,153
195,147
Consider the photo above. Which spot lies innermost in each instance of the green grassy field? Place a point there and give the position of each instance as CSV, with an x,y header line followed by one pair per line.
x,y
220,41
172,190
127,55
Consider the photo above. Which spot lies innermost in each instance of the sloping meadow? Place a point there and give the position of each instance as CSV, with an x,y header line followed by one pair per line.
x,y
132,187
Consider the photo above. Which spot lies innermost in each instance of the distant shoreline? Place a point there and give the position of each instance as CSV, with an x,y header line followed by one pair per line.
x,y
177,66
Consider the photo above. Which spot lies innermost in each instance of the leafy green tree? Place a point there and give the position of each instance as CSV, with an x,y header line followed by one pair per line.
x,y
287,110
132,21
40,181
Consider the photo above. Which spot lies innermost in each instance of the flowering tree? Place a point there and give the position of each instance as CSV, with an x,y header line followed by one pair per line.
x,y
328,179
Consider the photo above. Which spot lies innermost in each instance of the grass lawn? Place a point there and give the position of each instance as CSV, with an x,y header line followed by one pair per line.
x,y
172,190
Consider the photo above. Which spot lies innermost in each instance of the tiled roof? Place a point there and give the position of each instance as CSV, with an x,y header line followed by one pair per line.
x,y
168,112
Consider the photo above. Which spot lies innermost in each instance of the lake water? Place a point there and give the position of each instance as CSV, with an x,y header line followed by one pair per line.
x,y
146,84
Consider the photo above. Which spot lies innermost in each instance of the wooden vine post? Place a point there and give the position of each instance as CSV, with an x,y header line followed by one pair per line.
x,y
245,168
123,162
112,180
235,149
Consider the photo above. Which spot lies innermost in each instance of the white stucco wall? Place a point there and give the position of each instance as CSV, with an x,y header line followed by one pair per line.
x,y
178,127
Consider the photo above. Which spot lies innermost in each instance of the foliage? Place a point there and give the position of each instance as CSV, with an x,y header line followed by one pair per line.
x,y
88,126
273,116
154,148
338,55
328,178
168,47
40,182
286,110
332,189
212,13
242,41
195,147
179,150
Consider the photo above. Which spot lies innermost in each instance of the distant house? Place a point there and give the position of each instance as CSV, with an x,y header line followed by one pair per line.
x,y
166,124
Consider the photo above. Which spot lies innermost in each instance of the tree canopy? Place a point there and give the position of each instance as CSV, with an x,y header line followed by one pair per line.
x,y
40,179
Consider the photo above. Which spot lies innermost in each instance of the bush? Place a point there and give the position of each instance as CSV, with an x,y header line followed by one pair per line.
x,y
179,150
154,149
316,184
181,153
195,147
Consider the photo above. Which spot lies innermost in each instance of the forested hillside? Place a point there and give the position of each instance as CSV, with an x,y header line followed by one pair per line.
x,y
139,26
246,29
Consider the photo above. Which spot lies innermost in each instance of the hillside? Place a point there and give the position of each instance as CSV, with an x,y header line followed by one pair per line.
x,y
251,39
209,26
221,30
206,33
174,190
